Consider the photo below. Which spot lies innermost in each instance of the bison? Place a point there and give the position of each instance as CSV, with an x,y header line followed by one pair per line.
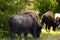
x,y
49,20
57,17
24,23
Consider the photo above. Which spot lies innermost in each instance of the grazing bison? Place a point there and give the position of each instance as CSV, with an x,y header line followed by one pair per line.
x,y
57,17
49,20
24,23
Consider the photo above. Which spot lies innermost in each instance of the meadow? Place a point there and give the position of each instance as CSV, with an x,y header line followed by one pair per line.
x,y
43,36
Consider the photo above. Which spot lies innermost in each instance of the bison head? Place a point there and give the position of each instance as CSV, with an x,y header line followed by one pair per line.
x,y
58,20
36,31
55,25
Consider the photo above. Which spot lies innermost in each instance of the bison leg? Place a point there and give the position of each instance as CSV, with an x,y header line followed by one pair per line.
x,y
49,28
54,28
46,27
25,35
12,35
20,36
19,33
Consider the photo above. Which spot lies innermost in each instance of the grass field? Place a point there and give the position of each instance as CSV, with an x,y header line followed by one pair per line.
x,y
43,36
46,35
50,35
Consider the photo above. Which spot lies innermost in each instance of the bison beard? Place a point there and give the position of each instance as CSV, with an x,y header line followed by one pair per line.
x,y
24,23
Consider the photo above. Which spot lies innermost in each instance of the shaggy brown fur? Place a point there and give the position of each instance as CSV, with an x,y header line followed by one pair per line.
x,y
49,20
24,23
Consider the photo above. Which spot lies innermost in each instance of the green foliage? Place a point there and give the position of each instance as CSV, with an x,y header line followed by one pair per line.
x,y
7,9
58,7
46,5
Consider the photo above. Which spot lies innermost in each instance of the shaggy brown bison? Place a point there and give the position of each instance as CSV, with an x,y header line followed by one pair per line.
x,y
49,20
24,23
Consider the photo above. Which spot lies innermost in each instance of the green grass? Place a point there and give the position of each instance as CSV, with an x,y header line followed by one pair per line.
x,y
43,36
50,35
47,35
